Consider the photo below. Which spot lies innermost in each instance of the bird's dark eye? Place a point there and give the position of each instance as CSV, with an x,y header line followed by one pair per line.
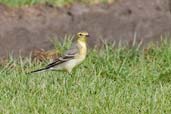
x,y
80,34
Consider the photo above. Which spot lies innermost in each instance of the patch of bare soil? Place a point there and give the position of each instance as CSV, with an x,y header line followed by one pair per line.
x,y
25,29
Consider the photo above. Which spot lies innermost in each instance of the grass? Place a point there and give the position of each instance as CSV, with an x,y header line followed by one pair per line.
x,y
19,3
112,80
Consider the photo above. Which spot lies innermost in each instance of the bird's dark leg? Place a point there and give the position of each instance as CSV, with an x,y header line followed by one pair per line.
x,y
70,74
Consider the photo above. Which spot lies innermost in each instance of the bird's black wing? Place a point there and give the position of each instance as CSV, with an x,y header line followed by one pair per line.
x,y
70,54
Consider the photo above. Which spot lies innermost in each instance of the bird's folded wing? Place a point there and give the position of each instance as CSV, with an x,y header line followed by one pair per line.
x,y
70,54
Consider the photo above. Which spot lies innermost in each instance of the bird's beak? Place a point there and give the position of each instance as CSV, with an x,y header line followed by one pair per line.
x,y
87,35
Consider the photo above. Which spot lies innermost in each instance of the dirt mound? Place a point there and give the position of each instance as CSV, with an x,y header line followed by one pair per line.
x,y
25,29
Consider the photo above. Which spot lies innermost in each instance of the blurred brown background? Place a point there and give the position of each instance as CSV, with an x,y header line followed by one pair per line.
x,y
27,28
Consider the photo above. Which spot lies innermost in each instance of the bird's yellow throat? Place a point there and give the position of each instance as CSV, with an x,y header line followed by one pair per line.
x,y
82,39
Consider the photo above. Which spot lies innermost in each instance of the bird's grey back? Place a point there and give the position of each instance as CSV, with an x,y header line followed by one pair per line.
x,y
73,50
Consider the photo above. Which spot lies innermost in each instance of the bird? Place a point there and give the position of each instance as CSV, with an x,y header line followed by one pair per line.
x,y
72,57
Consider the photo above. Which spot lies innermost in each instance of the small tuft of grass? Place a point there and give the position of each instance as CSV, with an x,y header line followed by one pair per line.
x,y
20,3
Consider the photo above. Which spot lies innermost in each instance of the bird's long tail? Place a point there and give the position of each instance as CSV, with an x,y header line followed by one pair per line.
x,y
48,67
38,70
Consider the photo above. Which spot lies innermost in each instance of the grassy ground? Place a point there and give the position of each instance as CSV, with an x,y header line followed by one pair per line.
x,y
16,3
116,80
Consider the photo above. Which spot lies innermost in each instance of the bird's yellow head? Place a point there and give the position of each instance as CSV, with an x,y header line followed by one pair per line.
x,y
82,36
